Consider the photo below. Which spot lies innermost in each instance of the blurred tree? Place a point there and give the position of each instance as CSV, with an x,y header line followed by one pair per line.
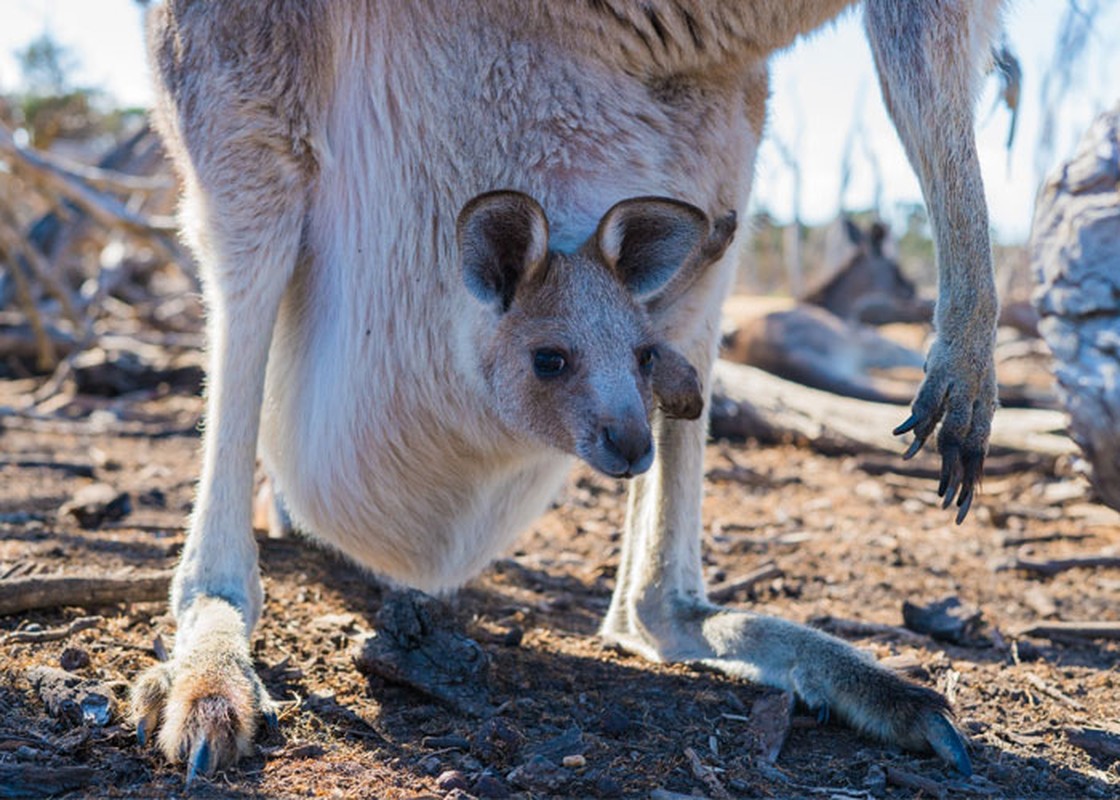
x,y
46,66
51,105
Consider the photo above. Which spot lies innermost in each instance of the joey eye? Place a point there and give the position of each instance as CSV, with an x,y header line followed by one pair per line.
x,y
549,363
646,357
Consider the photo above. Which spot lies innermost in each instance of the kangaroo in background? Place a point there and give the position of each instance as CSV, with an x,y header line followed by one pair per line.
x,y
325,147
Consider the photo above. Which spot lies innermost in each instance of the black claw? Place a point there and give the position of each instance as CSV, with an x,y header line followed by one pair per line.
x,y
906,426
950,473
947,743
914,447
200,762
271,721
950,488
142,732
823,714
965,505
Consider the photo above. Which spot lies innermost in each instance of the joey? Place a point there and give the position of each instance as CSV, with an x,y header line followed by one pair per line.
x,y
571,355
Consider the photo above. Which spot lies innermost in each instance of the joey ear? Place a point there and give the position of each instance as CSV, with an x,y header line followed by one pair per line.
x,y
502,236
646,240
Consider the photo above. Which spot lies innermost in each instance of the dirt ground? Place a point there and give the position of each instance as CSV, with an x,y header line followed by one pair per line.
x,y
571,717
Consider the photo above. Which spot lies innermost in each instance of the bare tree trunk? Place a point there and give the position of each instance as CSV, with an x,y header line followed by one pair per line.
x,y
1075,255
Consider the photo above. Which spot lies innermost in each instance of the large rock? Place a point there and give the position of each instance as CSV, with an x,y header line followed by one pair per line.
x,y
1075,255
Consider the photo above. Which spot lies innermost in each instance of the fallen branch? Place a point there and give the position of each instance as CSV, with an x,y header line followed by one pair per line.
x,y
857,629
1054,566
727,590
57,591
706,775
1074,630
53,634
1052,692
106,210
1102,743
750,403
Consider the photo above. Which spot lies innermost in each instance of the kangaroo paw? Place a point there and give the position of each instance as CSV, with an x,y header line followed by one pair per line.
x,y
207,702
959,392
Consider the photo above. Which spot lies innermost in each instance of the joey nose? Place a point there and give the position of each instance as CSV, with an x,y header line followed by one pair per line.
x,y
631,444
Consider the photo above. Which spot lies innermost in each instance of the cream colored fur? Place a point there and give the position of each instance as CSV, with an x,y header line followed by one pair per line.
x,y
326,149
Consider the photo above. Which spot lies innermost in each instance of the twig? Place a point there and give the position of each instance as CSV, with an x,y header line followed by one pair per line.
x,y
56,591
1042,538
45,355
909,780
706,775
728,589
853,628
1075,630
53,634
1057,565
775,774
1052,692
72,470
43,270
22,341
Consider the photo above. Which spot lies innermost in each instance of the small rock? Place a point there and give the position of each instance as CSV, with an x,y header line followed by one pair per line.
x,y
152,498
875,781
614,722
489,786
539,775
513,637
607,787
947,620
73,659
96,504
574,762
452,779
569,743
496,742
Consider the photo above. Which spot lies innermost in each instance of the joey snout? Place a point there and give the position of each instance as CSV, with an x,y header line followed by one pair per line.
x,y
623,447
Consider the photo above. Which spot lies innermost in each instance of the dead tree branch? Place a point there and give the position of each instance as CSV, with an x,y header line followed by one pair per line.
x,y
56,591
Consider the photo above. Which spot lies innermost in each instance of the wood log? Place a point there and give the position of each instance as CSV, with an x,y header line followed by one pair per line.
x,y
750,403
42,780
86,591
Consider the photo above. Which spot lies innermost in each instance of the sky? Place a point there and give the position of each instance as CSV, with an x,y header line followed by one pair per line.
x,y
821,86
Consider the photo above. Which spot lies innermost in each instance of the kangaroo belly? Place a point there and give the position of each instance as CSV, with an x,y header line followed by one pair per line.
x,y
403,478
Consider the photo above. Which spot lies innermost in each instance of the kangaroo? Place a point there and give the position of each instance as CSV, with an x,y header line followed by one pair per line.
x,y
325,146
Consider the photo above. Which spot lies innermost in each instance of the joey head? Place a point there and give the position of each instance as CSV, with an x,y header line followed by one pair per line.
x,y
571,353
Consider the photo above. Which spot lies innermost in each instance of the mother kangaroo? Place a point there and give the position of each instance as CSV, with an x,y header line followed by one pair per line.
x,y
326,148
